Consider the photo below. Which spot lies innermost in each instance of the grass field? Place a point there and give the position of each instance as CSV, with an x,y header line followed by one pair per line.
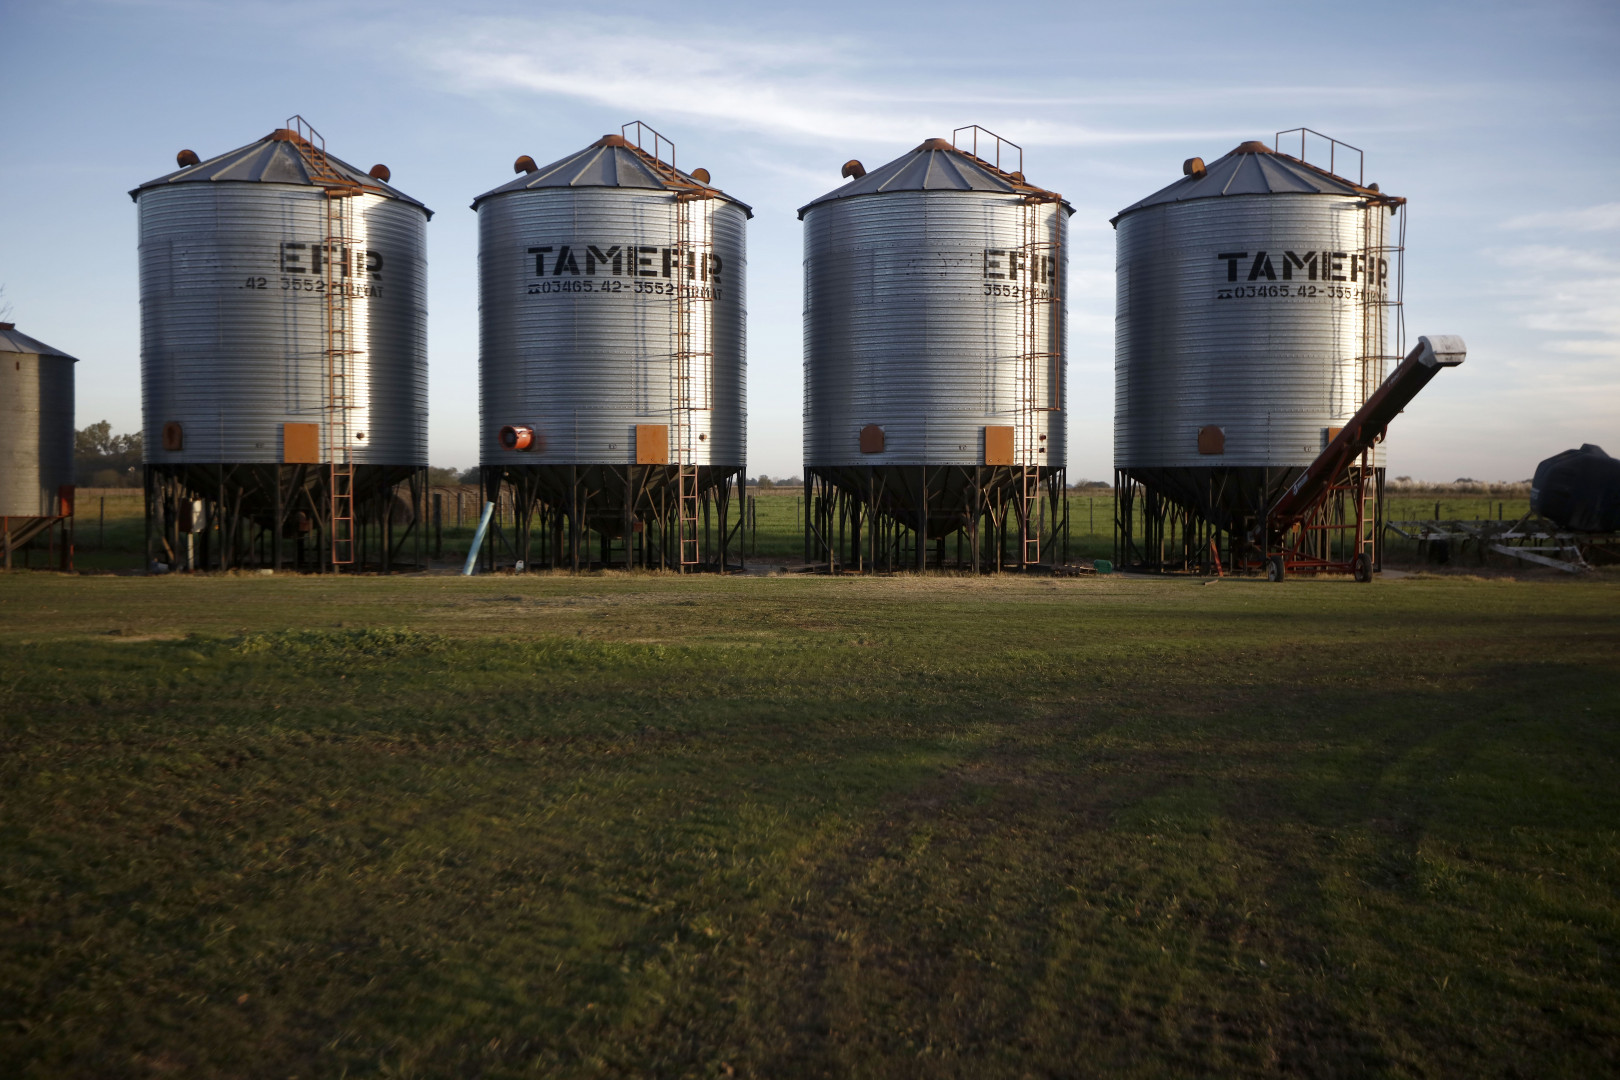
x,y
642,825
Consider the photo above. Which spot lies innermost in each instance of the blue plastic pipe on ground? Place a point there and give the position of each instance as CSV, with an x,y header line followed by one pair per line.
x,y
478,541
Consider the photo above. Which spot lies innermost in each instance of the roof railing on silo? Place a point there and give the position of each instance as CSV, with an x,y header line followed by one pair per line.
x,y
659,143
1334,146
973,147
311,146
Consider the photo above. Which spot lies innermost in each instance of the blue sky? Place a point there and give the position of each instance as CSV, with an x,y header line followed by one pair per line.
x,y
1498,122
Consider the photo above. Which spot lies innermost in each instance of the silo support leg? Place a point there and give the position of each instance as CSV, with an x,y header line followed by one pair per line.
x,y
151,548
574,518
922,520
279,524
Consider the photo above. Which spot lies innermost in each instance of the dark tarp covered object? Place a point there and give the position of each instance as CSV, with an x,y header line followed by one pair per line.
x,y
1579,489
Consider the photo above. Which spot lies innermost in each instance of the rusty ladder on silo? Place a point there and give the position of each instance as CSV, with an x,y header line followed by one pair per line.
x,y
1381,293
694,362
1040,360
338,346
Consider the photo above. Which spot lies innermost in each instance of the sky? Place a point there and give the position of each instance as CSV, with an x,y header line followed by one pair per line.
x,y
1498,122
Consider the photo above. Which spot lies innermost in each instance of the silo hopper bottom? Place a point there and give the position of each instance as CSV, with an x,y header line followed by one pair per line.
x,y
900,517
595,514
225,516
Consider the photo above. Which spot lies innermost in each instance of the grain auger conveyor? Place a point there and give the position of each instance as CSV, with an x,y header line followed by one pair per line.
x,y
1324,522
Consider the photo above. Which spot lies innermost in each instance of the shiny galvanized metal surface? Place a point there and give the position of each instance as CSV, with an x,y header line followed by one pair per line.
x,y
1250,169
274,159
912,323
610,162
36,429
577,336
233,315
1222,318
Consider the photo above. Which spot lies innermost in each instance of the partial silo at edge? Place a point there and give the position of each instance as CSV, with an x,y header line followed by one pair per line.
x,y
36,426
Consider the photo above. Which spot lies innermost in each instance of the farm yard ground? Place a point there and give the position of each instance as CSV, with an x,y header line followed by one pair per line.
x,y
795,826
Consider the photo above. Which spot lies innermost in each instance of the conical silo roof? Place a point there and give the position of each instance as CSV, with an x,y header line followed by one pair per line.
x,y
935,165
274,159
610,162
1252,168
13,340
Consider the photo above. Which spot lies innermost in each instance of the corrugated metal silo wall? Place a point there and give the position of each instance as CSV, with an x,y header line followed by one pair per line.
x,y
913,322
36,432
577,334
233,316
1224,317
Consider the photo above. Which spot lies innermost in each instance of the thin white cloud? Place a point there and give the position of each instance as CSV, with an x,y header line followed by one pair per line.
x,y
1602,217
829,88
1570,296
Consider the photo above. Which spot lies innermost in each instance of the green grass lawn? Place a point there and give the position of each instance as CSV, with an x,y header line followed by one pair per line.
x,y
643,825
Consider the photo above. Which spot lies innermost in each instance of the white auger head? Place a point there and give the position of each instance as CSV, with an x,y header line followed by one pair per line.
x,y
1442,350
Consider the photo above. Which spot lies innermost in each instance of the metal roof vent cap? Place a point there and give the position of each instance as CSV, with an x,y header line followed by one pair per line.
x,y
187,158
380,171
525,164
1194,167
700,175
853,170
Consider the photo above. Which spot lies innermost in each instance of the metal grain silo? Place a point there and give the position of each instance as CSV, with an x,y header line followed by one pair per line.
x,y
1254,298
612,359
283,350
36,442
934,359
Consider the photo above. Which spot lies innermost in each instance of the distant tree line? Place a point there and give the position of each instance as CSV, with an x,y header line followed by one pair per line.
x,y
446,476
102,459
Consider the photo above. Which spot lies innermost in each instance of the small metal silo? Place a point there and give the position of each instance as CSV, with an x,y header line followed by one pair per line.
x,y
283,353
36,442
1254,303
612,358
934,360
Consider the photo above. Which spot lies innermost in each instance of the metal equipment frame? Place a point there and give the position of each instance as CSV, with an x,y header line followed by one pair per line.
x,y
1330,497
18,531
